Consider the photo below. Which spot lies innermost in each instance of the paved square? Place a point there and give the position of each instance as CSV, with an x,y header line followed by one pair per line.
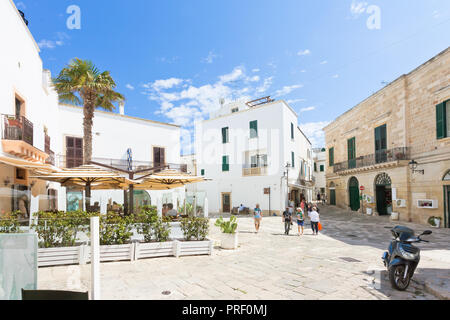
x,y
270,265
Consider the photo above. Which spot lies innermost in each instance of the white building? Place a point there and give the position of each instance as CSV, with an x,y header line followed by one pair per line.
x,y
36,130
319,172
244,148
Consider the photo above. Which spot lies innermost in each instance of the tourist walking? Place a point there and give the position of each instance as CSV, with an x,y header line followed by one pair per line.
x,y
300,221
258,217
315,219
287,219
303,205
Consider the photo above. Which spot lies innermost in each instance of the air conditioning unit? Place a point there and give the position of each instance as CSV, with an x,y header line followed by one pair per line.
x,y
400,203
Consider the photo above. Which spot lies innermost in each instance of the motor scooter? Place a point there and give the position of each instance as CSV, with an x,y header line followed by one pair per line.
x,y
402,257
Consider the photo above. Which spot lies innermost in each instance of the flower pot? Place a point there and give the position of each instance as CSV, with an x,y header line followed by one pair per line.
x,y
229,241
437,222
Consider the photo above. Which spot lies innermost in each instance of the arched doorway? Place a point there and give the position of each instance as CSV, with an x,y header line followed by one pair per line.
x,y
353,191
446,180
383,192
332,194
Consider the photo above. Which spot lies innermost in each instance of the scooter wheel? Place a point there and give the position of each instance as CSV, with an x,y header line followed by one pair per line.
x,y
397,277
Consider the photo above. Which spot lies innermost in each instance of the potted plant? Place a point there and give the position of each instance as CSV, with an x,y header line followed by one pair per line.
x,y
229,234
435,221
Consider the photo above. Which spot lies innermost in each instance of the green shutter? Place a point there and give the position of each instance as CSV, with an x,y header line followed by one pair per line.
x,y
292,131
441,125
322,168
293,159
254,129
225,164
225,135
351,153
331,156
203,172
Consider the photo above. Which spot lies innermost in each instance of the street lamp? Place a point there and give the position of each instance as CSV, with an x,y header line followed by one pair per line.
x,y
286,174
413,166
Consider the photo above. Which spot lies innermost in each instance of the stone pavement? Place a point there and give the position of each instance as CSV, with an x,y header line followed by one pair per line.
x,y
341,263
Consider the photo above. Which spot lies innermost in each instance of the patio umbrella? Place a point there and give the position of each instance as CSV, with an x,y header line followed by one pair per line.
x,y
167,179
90,177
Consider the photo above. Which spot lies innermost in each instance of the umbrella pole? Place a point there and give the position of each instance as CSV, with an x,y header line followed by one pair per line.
x,y
87,194
125,202
131,201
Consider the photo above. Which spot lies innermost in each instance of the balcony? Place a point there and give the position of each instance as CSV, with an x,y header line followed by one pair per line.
x,y
249,170
380,159
17,139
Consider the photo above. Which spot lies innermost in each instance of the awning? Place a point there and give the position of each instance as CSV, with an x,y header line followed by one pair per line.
x,y
24,164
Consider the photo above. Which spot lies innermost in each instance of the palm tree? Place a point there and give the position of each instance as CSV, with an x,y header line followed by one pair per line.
x,y
81,83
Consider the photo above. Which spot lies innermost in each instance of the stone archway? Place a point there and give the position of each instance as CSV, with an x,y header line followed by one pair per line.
x,y
353,193
383,194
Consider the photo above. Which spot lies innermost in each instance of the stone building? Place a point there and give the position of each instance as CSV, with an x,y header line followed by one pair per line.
x,y
396,146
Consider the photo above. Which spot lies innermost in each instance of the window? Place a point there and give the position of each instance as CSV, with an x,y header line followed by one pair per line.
x,y
225,164
293,159
254,129
202,172
322,168
258,161
315,167
225,138
74,152
443,120
234,110
331,156
292,131
159,155
18,110
21,174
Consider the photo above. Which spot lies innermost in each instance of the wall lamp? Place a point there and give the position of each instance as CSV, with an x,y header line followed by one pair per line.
x,y
413,166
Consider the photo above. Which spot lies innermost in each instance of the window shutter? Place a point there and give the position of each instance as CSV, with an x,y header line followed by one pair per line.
x,y
293,160
292,130
225,165
441,125
331,156
225,135
253,129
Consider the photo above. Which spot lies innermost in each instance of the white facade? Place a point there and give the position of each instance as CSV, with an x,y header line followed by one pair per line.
x,y
24,83
319,172
254,163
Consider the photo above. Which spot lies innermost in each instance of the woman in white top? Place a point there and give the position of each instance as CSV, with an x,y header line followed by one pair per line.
x,y
315,219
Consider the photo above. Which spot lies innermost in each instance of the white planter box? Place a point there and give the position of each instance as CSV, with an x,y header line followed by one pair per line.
x,y
193,248
125,252
229,241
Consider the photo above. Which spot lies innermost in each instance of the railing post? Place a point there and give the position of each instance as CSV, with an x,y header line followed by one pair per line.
x,y
95,258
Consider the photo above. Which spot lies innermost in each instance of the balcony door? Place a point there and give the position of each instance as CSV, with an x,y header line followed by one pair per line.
x,y
74,152
226,202
159,155
380,144
351,150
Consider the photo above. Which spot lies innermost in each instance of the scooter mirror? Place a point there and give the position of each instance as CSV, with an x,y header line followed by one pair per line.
x,y
427,232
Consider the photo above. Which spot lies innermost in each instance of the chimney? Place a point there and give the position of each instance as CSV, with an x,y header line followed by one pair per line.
x,y
122,108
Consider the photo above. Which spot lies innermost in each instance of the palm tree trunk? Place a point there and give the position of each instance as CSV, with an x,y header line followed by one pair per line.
x,y
87,128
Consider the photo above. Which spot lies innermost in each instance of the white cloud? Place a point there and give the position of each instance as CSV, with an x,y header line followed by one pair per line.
x,y
265,86
304,52
303,71
255,70
61,37
236,74
314,132
210,58
159,85
307,109
335,76
287,89
21,5
292,101
324,62
357,8
436,14
129,86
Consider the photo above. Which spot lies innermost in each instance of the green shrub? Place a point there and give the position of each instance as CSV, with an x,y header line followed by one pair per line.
x,y
195,228
10,224
115,229
60,229
152,227
432,222
227,226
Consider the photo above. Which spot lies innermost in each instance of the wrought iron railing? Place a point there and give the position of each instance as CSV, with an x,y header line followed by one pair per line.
x,y
17,128
254,170
122,164
378,157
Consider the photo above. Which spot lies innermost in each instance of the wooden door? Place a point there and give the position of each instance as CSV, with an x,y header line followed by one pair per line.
x,y
74,152
159,155
351,149
226,202
333,197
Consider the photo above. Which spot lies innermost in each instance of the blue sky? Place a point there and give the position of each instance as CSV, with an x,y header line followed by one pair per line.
x,y
174,60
